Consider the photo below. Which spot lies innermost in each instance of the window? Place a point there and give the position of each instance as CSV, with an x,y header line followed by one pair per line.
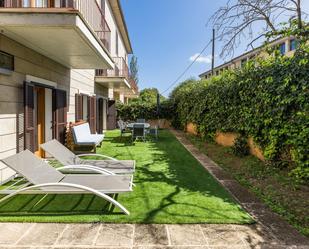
x,y
117,45
1,3
6,62
282,48
85,107
293,44
103,6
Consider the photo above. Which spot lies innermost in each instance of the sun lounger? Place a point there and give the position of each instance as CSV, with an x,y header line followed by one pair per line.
x,y
67,157
44,179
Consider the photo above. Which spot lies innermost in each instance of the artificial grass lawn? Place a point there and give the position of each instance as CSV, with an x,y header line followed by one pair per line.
x,y
171,187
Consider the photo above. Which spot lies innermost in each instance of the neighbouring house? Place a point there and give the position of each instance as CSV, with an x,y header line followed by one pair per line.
x,y
286,46
60,61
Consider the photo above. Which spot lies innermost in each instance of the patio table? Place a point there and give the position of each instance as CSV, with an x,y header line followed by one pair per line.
x,y
130,126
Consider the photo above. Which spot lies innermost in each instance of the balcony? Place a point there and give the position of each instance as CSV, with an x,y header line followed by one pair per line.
x,y
118,78
71,32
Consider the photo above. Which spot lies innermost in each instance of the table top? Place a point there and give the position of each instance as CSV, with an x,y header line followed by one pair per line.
x,y
131,125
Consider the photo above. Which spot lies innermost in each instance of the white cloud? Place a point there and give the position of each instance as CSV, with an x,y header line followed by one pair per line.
x,y
200,58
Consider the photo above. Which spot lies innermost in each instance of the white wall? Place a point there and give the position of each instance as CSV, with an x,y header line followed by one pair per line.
x,y
112,25
81,81
27,62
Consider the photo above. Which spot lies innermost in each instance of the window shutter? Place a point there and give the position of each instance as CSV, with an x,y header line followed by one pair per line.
x,y
92,113
78,107
59,115
112,114
100,116
29,118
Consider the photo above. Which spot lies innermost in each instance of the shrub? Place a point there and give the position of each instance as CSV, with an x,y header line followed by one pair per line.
x,y
241,147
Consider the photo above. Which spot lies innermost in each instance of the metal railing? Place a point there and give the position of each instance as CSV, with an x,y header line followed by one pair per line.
x,y
89,9
121,70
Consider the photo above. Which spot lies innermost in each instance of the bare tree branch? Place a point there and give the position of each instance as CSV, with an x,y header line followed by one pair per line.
x,y
239,19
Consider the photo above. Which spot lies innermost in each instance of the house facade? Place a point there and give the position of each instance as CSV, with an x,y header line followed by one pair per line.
x,y
59,64
286,46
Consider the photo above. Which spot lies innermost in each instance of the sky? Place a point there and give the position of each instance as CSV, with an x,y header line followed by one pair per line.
x,y
166,36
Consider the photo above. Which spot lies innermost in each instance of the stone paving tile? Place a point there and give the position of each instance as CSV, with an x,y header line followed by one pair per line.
x,y
255,235
78,234
222,235
42,234
172,247
115,235
150,235
186,235
12,232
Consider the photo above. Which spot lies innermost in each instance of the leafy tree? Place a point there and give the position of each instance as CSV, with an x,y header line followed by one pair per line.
x,y
134,69
150,95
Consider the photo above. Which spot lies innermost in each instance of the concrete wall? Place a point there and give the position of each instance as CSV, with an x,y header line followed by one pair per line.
x,y
29,62
227,139
81,81
114,29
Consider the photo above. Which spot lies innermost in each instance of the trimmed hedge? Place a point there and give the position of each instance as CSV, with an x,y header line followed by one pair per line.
x,y
266,99
140,109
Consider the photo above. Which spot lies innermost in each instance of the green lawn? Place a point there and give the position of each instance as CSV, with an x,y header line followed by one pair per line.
x,y
171,187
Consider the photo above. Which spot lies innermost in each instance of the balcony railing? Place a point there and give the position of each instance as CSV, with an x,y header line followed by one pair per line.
x,y
121,70
89,9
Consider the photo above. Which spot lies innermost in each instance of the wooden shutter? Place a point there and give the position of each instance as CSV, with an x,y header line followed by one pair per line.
x,y
92,113
112,113
78,107
29,118
100,116
59,115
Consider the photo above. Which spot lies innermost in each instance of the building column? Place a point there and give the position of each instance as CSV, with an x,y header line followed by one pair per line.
x,y
121,97
110,93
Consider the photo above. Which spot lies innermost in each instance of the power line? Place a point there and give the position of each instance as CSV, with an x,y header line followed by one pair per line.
x,y
188,67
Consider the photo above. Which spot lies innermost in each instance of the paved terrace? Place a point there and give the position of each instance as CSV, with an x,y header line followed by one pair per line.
x,y
270,232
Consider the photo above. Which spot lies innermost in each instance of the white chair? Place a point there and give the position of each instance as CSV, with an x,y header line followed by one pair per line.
x,y
82,136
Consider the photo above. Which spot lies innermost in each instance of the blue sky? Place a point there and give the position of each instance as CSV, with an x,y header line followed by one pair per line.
x,y
166,33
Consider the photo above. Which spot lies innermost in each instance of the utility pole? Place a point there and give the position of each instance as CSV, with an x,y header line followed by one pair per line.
x,y
213,52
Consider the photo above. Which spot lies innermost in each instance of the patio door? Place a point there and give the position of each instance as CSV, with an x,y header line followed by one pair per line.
x,y
44,116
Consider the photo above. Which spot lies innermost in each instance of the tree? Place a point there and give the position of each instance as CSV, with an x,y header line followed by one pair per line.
x,y
134,68
150,95
239,20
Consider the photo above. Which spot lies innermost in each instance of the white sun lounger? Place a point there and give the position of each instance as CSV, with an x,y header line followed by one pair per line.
x,y
42,178
67,158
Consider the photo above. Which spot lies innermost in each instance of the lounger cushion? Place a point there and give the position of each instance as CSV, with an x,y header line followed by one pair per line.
x,y
34,169
83,136
117,167
106,184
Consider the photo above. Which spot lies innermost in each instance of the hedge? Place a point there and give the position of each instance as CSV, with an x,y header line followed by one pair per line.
x,y
267,100
142,109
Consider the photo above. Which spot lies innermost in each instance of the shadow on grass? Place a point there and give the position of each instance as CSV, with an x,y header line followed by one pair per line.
x,y
171,187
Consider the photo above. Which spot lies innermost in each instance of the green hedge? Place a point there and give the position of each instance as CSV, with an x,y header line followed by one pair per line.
x,y
145,110
266,99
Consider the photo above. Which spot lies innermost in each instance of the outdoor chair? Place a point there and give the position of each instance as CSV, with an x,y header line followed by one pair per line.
x,y
139,132
67,157
153,132
41,178
141,120
123,127
82,136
